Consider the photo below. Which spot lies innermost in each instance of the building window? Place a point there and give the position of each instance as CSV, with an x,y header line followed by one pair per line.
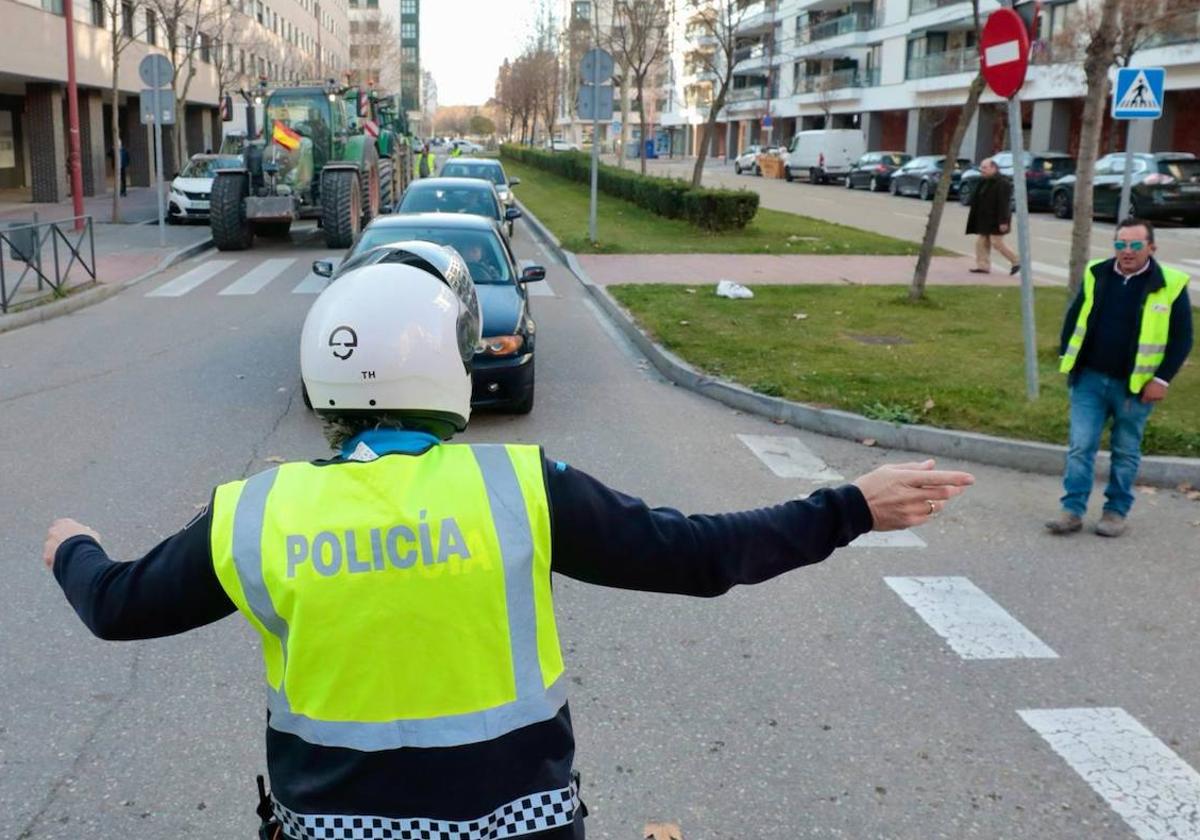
x,y
408,30
52,6
97,13
408,7
127,19
205,48
151,27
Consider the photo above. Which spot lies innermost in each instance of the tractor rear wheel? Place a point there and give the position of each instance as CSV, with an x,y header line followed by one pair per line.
x,y
341,207
370,188
387,191
227,213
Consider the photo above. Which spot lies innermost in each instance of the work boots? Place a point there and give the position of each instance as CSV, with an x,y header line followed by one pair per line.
x,y
1111,524
1067,523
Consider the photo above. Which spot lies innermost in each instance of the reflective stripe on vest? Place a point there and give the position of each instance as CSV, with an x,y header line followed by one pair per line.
x,y
497,495
1152,336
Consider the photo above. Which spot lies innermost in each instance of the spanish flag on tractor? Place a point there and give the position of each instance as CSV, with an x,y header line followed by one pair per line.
x,y
285,137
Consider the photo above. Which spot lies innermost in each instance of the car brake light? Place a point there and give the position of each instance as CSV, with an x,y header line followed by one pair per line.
x,y
1157,179
821,160
881,168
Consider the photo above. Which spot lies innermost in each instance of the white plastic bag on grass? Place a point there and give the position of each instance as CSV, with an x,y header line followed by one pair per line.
x,y
733,291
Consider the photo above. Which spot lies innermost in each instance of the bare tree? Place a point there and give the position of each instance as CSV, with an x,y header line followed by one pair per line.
x,y
718,20
119,20
185,27
916,290
638,41
375,52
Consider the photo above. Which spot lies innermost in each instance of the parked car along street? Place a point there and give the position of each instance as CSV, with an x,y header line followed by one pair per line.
x,y
824,154
190,189
458,195
874,170
747,161
1041,171
503,370
1165,185
920,176
562,146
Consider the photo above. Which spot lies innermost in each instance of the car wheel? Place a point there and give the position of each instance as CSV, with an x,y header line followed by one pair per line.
x,y
964,194
849,182
895,187
525,404
1061,203
923,191
874,184
1135,209
737,169
787,174
304,396
757,170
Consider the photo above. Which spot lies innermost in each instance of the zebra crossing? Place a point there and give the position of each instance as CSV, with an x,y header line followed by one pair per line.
x,y
252,275
1142,779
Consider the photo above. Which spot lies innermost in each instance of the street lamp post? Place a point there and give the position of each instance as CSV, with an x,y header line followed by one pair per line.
x,y
73,118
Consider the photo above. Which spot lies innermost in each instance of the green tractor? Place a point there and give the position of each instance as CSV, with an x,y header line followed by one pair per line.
x,y
379,117
311,159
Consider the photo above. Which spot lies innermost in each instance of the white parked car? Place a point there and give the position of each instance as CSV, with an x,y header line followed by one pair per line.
x,y
562,146
824,155
466,147
190,189
747,161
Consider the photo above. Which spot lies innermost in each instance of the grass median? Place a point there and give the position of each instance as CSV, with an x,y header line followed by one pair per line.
x,y
955,361
625,228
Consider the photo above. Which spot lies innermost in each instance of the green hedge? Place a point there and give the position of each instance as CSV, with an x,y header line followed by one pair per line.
x,y
706,208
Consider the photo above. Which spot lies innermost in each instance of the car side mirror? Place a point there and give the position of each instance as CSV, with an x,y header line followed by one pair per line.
x,y
512,213
512,182
322,268
533,273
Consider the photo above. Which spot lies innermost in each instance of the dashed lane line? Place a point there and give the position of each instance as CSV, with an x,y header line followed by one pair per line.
x,y
259,276
189,280
888,539
974,625
1155,791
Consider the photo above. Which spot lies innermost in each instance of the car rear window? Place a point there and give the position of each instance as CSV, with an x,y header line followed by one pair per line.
x,y
893,160
488,172
475,246
1181,170
1053,166
424,199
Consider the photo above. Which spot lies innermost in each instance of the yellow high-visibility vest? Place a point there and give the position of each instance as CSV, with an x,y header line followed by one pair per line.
x,y
403,601
1152,337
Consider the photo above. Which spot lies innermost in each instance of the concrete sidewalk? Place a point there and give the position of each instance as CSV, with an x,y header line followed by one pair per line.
x,y
138,207
748,269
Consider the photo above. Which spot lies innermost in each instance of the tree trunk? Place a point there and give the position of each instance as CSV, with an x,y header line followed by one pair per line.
x,y
1095,67
625,127
710,131
114,130
641,83
917,290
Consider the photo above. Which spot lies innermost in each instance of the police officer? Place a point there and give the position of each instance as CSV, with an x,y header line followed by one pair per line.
x,y
402,591
456,151
426,165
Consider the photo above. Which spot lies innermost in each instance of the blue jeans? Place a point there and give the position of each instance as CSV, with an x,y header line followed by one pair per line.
x,y
1095,399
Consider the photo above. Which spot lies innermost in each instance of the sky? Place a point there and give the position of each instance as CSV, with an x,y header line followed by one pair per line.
x,y
463,42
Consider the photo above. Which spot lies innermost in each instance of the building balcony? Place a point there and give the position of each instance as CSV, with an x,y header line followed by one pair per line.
x,y
747,94
751,59
756,17
917,7
945,63
844,25
839,80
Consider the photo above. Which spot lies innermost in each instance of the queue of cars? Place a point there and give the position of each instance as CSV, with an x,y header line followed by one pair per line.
x,y
1164,185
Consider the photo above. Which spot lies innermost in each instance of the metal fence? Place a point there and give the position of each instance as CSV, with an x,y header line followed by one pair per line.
x,y
47,253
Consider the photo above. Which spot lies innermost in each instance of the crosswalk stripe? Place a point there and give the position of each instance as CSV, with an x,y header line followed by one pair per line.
x,y
1052,270
313,284
258,277
787,457
1155,791
974,625
540,289
888,539
189,280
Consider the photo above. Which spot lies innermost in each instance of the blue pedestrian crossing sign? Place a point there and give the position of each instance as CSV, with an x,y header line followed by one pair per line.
x,y
1138,93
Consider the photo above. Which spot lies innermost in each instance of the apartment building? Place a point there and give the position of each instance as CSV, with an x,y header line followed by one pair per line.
x,y
899,70
235,43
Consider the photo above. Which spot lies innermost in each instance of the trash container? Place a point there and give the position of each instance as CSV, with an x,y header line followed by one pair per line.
x,y
22,240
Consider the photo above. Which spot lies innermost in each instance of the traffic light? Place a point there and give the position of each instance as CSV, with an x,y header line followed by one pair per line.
x,y
1031,14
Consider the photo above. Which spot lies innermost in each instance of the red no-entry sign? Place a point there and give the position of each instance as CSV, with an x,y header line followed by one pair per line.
x,y
1004,52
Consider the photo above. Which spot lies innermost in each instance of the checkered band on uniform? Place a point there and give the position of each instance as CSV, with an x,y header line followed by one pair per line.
x,y
536,812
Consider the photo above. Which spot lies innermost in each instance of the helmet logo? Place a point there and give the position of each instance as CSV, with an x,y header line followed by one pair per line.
x,y
343,340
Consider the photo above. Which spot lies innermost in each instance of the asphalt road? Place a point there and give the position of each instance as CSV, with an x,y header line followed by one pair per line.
x,y
903,217
821,704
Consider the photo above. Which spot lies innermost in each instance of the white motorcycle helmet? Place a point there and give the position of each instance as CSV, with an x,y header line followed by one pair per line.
x,y
395,335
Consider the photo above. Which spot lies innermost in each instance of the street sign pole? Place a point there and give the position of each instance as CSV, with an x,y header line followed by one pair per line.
x,y
1127,177
595,160
158,157
1020,193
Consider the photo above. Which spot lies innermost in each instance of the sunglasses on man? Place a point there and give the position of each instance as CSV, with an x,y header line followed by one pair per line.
x,y
1136,245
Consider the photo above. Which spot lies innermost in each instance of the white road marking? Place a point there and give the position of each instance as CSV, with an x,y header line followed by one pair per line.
x,y
1193,262
258,277
1052,270
888,539
540,289
787,457
974,625
1055,241
312,284
189,280
910,215
1154,790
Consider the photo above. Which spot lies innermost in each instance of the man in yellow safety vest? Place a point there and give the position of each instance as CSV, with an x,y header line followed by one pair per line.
x,y
1125,336
402,590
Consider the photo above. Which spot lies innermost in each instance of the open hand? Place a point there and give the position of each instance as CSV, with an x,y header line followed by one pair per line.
x,y
904,495
60,531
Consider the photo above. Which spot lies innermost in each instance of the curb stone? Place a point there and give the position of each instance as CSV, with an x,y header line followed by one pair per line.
x,y
97,293
1024,455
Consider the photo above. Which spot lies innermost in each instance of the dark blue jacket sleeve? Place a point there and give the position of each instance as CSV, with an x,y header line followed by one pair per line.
x,y
1179,338
605,537
172,589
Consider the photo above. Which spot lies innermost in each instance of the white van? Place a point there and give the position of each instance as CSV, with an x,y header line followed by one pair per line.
x,y
824,154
